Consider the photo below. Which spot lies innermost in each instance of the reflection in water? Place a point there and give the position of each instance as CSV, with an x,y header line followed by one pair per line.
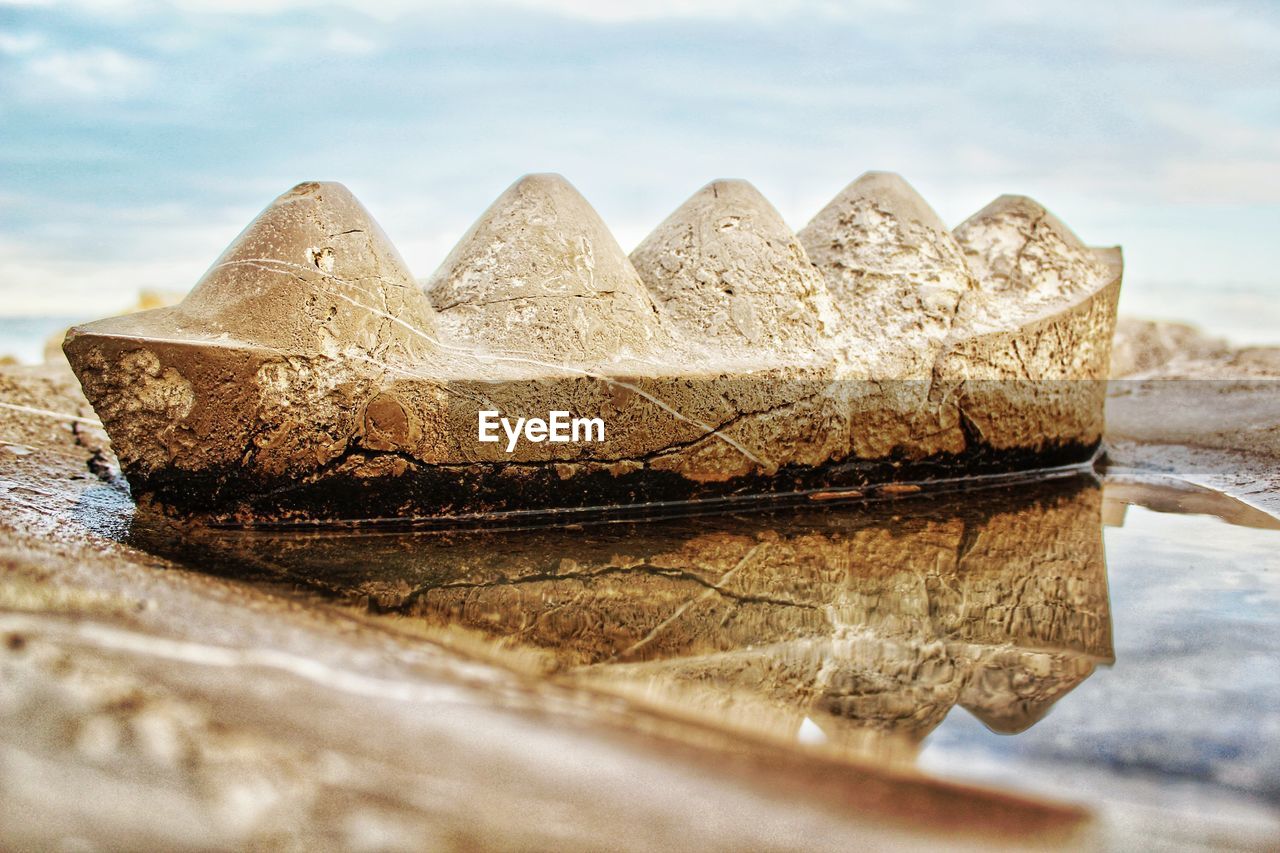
x,y
861,626
1180,739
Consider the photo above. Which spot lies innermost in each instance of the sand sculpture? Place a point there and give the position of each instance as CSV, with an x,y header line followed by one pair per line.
x,y
308,376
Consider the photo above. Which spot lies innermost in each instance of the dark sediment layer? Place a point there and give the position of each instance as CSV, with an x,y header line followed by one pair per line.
x,y
478,493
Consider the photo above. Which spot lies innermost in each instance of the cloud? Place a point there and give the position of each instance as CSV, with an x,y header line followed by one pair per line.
x,y
91,72
1210,35
349,43
588,9
604,11
1218,159
1113,114
20,44
378,9
622,11
56,283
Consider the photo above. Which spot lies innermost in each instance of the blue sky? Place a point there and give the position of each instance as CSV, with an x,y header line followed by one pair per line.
x,y
137,138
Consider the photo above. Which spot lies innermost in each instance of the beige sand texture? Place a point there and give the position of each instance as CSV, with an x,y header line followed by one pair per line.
x,y
306,376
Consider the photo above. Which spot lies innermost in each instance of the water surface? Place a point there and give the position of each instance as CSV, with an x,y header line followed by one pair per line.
x,y
1113,645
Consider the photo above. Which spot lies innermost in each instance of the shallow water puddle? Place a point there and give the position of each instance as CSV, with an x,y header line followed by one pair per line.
x,y
1183,728
1109,645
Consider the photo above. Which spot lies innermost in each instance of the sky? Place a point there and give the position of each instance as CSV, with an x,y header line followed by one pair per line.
x,y
138,137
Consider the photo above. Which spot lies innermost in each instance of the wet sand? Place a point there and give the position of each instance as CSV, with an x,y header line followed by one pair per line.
x,y
147,704
1184,403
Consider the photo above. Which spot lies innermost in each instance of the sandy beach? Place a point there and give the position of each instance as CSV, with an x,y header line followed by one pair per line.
x,y
147,702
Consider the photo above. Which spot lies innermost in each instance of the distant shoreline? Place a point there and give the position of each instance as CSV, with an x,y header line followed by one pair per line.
x,y
24,337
